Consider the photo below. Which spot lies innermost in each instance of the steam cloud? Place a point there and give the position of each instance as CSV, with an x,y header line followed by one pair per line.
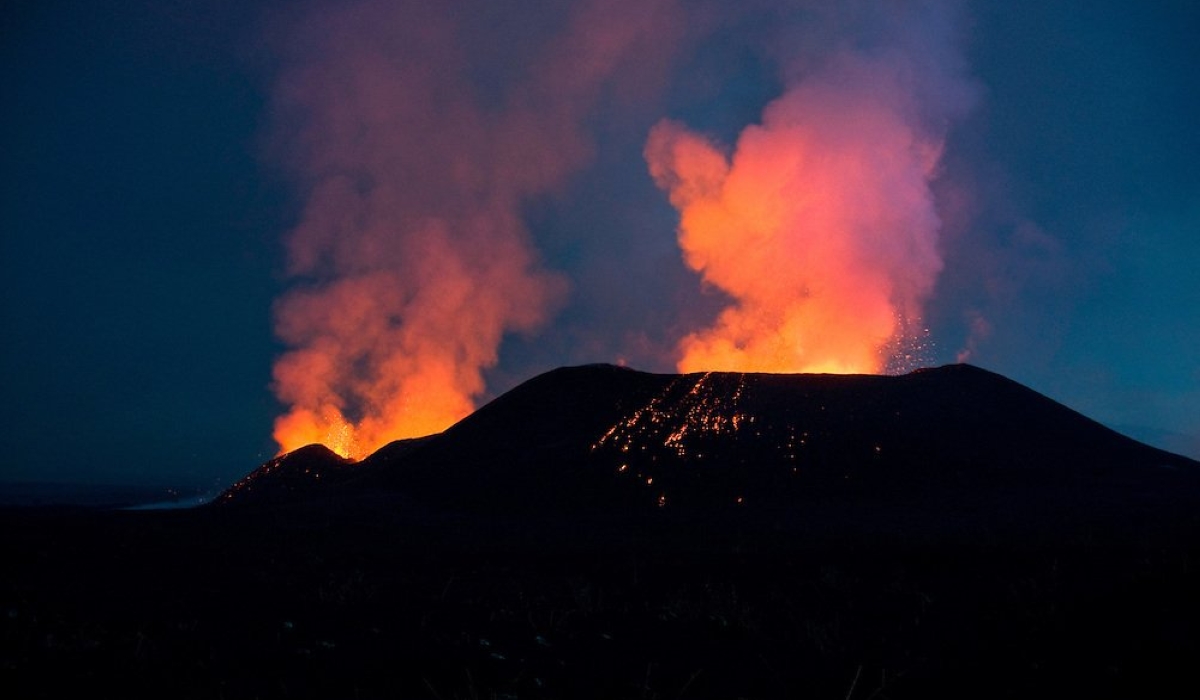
x,y
821,225
418,132
411,258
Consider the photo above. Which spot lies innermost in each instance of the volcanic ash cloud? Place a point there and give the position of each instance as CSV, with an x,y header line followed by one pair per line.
x,y
416,138
820,226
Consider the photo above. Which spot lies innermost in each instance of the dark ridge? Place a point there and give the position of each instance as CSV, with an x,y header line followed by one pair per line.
x,y
607,438
309,471
994,534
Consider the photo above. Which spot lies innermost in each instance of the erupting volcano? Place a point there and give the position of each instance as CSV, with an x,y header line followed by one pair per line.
x,y
413,258
610,438
372,230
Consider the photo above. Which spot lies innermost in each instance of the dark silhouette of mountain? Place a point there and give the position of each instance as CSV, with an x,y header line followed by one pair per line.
x,y
601,533
607,438
290,476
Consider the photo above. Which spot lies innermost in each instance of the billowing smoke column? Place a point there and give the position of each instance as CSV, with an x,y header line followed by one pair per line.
x,y
820,225
411,260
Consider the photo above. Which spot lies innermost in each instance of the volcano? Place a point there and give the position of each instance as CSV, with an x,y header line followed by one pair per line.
x,y
602,533
602,438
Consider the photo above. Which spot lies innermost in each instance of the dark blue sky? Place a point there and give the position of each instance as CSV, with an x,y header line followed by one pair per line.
x,y
142,219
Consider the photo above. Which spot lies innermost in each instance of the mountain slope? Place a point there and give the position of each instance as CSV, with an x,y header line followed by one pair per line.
x,y
606,437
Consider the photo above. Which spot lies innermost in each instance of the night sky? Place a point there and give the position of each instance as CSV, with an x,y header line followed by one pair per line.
x,y
160,158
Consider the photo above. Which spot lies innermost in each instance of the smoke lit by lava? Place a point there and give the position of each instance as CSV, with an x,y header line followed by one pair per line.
x,y
412,258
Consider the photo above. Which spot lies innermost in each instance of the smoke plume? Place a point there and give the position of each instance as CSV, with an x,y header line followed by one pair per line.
x,y
820,224
417,134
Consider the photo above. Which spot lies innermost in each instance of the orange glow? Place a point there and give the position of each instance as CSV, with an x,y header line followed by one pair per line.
x,y
409,362
411,258
820,226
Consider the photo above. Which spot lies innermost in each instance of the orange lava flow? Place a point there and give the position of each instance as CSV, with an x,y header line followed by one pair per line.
x,y
820,226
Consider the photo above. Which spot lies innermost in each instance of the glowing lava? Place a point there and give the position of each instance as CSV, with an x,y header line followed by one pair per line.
x,y
689,405
326,427
699,418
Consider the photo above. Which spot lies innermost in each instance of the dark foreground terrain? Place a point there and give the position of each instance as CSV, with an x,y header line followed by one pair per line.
x,y
1075,572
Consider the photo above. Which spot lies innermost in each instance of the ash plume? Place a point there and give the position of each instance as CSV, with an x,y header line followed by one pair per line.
x,y
819,223
416,134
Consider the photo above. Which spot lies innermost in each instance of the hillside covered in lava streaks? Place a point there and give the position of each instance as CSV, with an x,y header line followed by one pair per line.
x,y
610,438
